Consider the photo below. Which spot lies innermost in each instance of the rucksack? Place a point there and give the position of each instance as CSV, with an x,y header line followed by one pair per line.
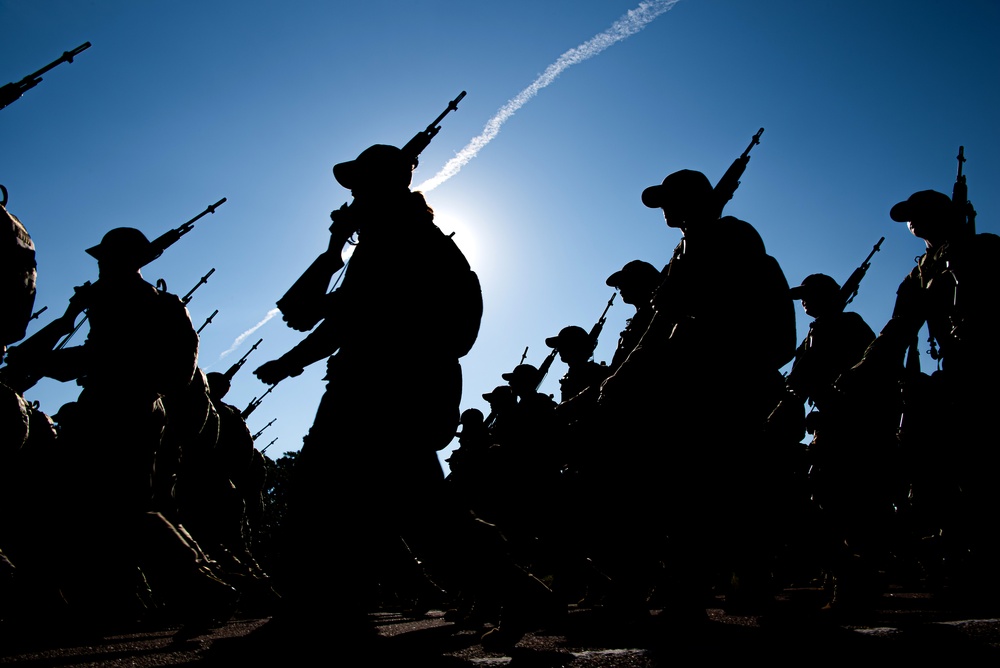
x,y
462,301
17,268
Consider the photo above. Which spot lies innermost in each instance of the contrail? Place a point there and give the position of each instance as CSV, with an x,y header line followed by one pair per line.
x,y
629,24
242,337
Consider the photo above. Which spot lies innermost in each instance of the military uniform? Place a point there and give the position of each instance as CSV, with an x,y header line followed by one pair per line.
x,y
116,428
724,326
394,319
17,276
948,439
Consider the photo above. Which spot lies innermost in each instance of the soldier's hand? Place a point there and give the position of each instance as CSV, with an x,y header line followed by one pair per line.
x,y
344,224
271,373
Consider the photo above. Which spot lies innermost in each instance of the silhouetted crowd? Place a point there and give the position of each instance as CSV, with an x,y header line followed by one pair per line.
x,y
673,474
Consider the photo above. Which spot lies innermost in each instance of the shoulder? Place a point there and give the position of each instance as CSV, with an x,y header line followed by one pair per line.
x,y
737,235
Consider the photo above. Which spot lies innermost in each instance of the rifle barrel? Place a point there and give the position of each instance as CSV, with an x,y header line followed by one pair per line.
x,y
209,209
753,142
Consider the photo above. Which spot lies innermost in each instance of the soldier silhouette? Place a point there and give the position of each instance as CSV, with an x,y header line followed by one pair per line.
x,y
849,461
383,328
637,281
952,291
112,441
576,349
723,327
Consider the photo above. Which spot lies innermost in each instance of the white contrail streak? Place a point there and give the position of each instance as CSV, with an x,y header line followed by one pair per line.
x,y
242,337
629,24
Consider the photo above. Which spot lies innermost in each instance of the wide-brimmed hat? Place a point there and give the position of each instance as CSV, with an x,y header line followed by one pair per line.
x,y
686,183
378,163
928,203
123,244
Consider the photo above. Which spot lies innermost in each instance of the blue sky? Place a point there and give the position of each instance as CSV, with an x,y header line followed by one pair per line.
x,y
180,103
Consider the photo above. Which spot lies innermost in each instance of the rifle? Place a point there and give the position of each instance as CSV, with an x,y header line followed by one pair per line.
x,y
207,321
34,316
156,248
850,288
239,364
302,305
12,91
960,196
264,449
204,279
730,181
170,237
543,369
255,402
20,373
263,428
595,331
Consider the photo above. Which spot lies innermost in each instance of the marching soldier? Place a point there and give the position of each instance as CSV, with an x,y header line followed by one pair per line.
x,y
637,281
953,291
377,307
576,349
110,501
849,460
723,327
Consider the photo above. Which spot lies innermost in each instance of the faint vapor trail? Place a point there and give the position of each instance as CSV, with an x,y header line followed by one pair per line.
x,y
242,337
629,24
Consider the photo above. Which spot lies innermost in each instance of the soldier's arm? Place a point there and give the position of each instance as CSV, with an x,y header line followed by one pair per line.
x,y
65,364
320,344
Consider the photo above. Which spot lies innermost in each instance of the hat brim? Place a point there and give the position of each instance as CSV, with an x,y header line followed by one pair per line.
x,y
653,197
901,212
799,291
346,173
615,279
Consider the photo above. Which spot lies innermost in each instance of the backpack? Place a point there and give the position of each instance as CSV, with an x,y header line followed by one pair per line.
x,y
779,341
175,343
17,276
461,304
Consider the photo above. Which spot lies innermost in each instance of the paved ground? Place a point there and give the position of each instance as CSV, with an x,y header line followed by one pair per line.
x,y
907,627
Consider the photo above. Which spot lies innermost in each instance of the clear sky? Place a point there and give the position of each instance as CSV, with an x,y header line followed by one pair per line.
x,y
179,103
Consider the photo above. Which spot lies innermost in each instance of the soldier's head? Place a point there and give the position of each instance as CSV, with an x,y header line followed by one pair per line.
x,y
929,215
636,281
819,293
473,424
378,170
471,417
218,385
685,197
501,397
523,379
122,250
573,343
